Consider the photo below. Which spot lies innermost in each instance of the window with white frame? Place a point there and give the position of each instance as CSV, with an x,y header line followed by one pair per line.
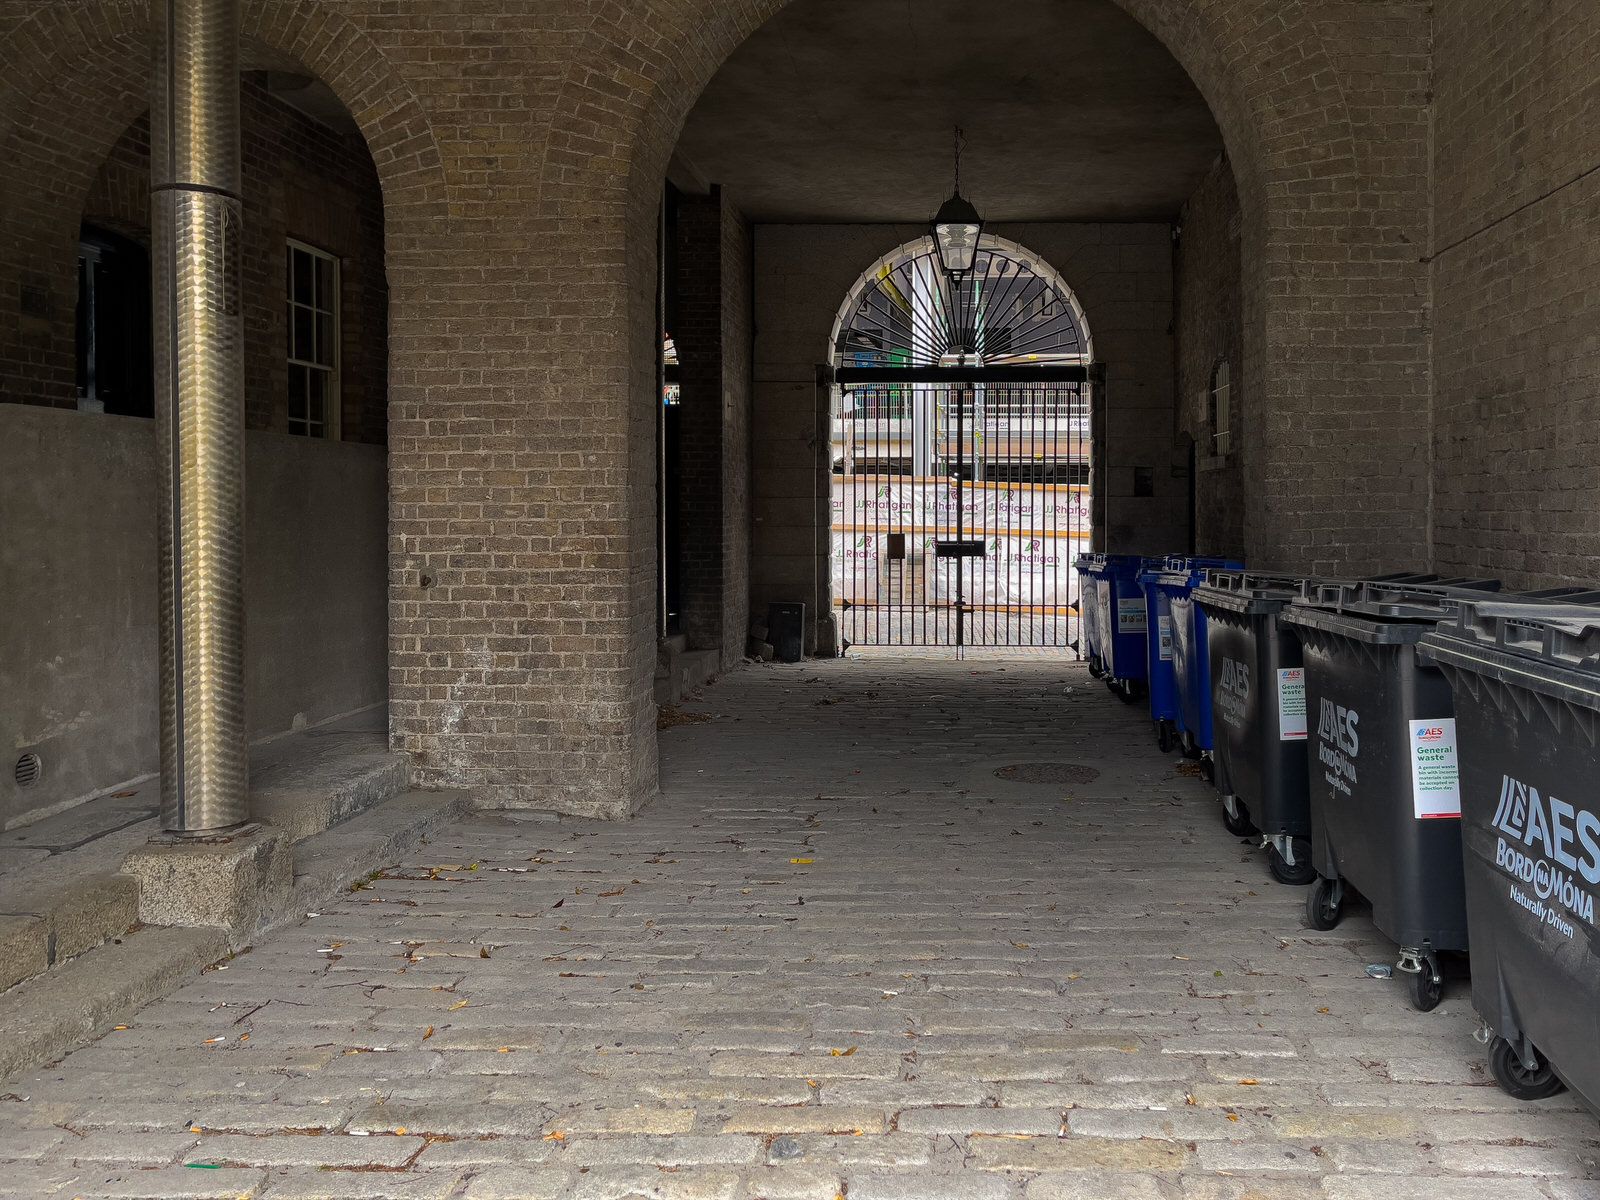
x,y
1221,409
312,298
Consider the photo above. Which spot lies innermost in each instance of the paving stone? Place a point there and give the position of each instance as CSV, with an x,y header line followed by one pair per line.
x,y
1386,1187
987,986
505,1183
968,1185
299,1150
962,1121
822,1118
1076,1154
299,1183
1096,1185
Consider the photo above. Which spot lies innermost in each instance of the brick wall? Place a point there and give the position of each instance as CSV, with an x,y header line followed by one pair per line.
x,y
738,335
521,151
1209,331
1516,263
697,333
305,180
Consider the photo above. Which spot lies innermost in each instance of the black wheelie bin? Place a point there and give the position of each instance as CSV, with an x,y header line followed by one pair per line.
x,y
1381,761
1527,697
1258,706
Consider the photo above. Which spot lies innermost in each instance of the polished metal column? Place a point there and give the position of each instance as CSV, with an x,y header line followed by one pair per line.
x,y
199,367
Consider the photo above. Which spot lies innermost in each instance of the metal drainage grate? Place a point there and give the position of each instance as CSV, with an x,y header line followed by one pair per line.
x,y
1060,774
29,770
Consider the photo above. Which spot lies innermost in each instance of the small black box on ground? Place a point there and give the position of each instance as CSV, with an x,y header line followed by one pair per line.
x,y
786,630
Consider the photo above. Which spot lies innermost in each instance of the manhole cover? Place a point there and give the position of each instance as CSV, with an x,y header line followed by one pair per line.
x,y
1052,773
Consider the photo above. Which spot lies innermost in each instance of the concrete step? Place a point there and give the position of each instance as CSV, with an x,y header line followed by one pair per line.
x,y
42,1019
306,807
325,866
82,997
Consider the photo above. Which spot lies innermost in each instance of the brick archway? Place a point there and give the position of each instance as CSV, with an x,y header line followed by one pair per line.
x,y
1311,255
78,77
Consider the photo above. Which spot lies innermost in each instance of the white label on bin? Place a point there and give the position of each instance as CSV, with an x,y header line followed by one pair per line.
x,y
1435,777
1165,635
1130,616
1292,704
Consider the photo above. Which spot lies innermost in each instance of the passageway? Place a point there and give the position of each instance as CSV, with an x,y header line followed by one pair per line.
x,y
839,955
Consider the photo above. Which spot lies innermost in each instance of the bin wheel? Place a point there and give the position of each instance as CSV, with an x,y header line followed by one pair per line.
x,y
1208,768
1126,692
1164,736
1094,668
1323,910
1515,1079
1240,826
1301,873
1427,988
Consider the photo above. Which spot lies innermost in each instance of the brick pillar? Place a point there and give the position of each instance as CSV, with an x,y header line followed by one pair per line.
x,y
712,332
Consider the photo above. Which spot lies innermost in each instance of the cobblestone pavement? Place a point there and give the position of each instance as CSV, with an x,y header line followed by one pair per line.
x,y
839,957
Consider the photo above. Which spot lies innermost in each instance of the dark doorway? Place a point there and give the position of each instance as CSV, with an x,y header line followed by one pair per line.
x,y
114,367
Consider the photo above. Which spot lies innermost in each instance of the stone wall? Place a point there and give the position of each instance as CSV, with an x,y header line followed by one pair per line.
x,y
79,655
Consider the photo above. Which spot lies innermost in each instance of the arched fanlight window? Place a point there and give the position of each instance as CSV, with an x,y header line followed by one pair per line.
x,y
1011,309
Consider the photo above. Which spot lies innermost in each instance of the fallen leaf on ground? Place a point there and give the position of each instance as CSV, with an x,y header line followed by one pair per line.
x,y
843,1053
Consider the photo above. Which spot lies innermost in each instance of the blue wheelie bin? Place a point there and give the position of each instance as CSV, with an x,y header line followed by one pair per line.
x,y
1088,646
1170,618
1122,625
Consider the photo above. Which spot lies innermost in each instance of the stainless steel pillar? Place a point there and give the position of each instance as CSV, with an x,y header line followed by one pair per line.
x,y
199,367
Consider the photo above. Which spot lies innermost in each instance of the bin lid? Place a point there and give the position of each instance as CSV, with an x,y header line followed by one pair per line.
x,y
1389,600
1181,573
1356,626
1246,591
1550,646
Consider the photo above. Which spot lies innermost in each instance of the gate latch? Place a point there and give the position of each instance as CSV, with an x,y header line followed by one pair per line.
x,y
966,548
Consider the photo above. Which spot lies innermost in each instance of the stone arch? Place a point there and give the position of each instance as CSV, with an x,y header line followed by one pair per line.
x,y
79,77
1276,94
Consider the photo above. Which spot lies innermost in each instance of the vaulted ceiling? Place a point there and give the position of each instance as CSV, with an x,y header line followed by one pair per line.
x,y
843,110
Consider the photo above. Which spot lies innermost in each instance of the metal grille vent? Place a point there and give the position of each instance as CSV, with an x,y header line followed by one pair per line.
x,y
29,770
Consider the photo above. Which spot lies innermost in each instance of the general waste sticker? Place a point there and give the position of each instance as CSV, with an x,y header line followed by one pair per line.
x,y
1291,704
1435,777
1131,616
1165,626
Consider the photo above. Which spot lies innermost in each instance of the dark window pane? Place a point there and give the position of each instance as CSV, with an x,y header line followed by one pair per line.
x,y
325,339
303,279
304,347
325,284
297,393
317,398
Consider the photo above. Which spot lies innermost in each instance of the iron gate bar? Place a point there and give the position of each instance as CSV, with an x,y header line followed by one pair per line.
x,y
845,376
1018,449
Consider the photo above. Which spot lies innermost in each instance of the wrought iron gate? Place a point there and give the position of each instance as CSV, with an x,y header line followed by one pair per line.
x,y
960,499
